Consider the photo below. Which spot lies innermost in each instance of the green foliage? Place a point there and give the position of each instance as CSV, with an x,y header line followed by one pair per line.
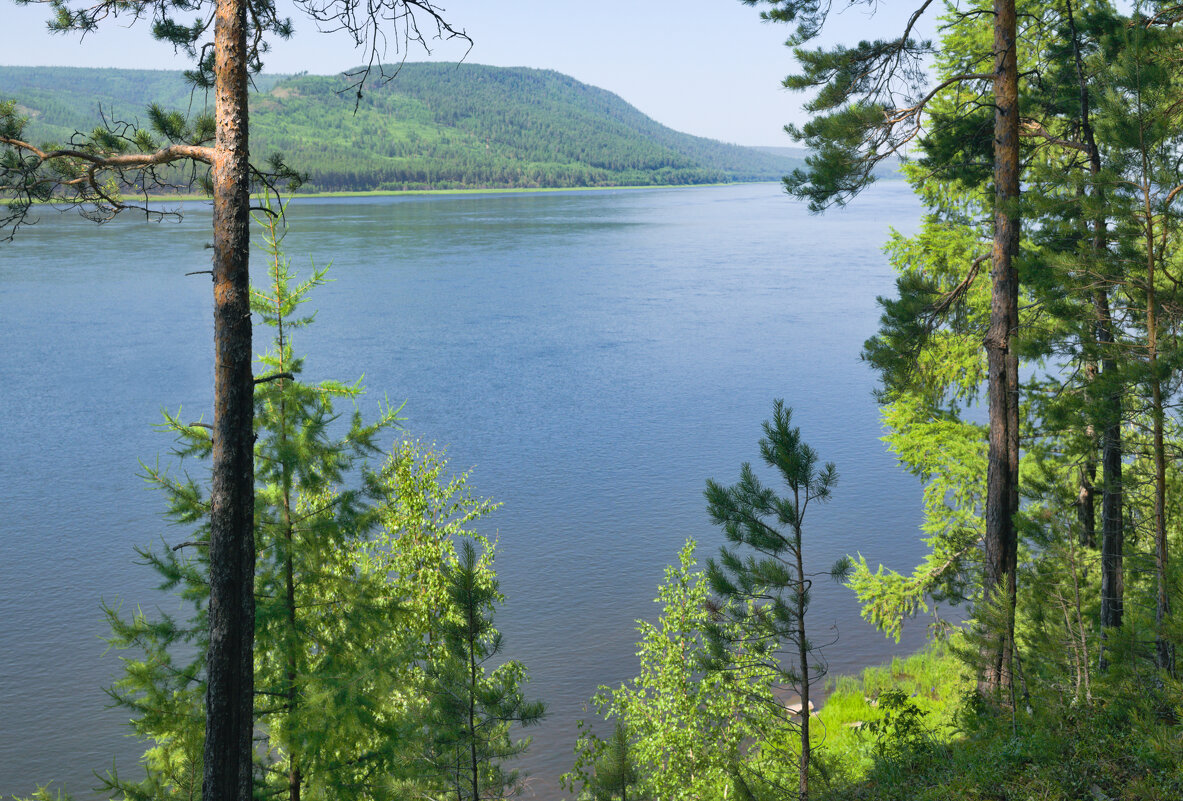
x,y
438,126
615,775
323,644
949,456
766,596
900,732
919,731
868,103
364,611
43,793
470,708
692,734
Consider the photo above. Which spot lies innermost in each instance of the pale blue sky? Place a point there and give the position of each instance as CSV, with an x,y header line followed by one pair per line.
x,y
706,67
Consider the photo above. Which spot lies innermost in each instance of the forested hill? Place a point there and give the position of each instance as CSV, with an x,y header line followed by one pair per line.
x,y
436,126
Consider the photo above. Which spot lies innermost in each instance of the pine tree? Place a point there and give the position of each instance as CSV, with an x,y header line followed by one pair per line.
x,y
616,777
871,101
322,625
471,709
766,595
92,171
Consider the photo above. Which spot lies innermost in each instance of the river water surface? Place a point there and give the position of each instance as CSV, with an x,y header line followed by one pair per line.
x,y
591,357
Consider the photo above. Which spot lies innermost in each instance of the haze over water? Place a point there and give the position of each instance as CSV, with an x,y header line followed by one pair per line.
x,y
592,358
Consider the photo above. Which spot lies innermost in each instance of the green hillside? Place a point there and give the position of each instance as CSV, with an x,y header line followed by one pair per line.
x,y
435,126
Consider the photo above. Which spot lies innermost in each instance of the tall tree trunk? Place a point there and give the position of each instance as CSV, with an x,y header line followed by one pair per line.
x,y
803,657
1086,506
1086,496
1112,532
230,668
1164,651
1112,522
474,763
1001,543
295,779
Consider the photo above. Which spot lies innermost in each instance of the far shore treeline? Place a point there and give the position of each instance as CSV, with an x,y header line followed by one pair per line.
x,y
435,126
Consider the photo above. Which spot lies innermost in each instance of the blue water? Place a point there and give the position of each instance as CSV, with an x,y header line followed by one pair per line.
x,y
592,358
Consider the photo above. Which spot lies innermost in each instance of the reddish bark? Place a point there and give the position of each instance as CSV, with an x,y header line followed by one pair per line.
x,y
230,669
1001,544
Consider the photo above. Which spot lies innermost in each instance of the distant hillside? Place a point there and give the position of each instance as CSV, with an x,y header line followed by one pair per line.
x,y
435,126
887,170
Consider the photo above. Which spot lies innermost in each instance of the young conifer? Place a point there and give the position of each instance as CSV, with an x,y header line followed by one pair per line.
x,y
323,643
471,709
766,595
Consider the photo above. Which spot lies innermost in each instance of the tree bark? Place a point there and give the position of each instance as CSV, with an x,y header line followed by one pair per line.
x,y
1112,532
1001,543
1086,497
1163,649
230,669
1086,500
803,656
1112,522
474,763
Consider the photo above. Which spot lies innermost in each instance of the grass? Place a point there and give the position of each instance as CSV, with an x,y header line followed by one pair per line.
x,y
933,681
923,735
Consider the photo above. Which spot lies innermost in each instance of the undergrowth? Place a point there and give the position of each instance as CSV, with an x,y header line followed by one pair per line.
x,y
917,731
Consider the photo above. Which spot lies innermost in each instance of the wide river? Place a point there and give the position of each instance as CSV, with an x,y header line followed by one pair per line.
x,y
591,357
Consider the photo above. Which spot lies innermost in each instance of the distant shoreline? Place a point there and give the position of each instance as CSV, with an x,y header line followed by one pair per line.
x,y
475,191
410,192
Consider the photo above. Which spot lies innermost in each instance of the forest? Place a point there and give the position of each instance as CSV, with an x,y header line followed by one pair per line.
x,y
438,126
1029,368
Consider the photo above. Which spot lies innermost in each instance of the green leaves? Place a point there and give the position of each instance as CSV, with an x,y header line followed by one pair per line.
x,y
691,734
373,598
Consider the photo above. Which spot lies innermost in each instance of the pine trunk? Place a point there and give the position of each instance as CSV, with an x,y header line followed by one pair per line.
x,y
1163,649
1086,498
230,690
1111,492
803,656
1086,504
1002,473
1112,523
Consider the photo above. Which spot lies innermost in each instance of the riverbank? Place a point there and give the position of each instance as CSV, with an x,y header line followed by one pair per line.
x,y
520,190
915,730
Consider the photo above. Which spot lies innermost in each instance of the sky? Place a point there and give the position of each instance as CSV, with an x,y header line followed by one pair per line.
x,y
706,67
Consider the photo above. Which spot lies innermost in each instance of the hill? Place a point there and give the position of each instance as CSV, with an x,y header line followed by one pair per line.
x,y
887,170
435,126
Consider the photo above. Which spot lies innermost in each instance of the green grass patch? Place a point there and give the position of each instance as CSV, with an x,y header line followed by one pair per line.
x,y
915,730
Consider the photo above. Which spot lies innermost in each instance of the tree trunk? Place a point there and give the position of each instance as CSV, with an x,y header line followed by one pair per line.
x,y
295,778
230,669
1163,650
803,657
1112,523
1086,497
474,764
1111,493
1002,473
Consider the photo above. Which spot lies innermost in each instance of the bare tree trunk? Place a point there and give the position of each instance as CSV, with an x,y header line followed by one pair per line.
x,y
230,669
803,656
1112,522
1002,474
1163,650
474,763
1086,497
1112,532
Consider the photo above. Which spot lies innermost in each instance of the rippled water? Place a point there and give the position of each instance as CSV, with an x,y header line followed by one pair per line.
x,y
591,357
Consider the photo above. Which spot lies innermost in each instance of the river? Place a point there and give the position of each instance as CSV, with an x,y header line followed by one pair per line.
x,y
590,357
